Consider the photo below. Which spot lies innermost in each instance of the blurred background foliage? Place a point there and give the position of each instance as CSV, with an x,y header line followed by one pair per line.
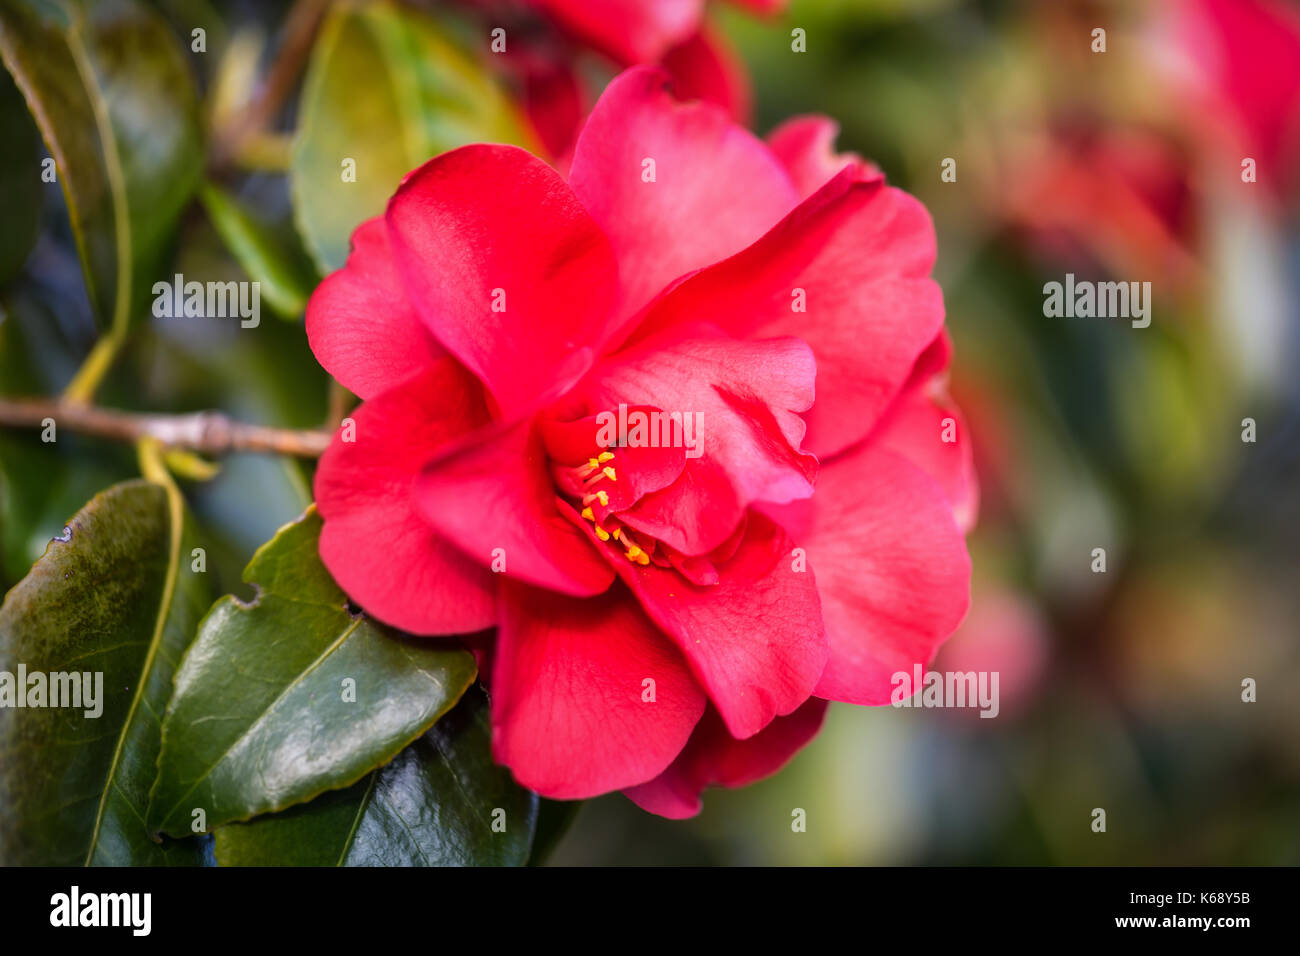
x,y
1119,690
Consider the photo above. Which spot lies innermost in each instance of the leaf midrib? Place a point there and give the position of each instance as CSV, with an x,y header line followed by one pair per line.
x,y
364,805
260,719
175,518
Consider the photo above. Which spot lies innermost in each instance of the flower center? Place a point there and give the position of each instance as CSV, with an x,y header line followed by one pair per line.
x,y
589,475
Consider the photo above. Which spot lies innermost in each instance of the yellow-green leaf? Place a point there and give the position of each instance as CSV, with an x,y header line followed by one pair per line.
x,y
385,91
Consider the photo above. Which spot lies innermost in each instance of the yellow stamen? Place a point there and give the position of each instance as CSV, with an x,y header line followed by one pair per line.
x,y
588,514
608,472
601,533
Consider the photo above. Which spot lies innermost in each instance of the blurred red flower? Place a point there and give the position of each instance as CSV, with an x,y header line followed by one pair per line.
x,y
1126,185
1236,68
674,34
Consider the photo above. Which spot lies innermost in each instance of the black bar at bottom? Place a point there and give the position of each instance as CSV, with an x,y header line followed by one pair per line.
x,y
305,906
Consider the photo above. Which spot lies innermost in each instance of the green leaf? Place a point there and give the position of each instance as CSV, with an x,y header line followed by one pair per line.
x,y
282,269
114,595
294,694
388,91
115,103
20,180
432,806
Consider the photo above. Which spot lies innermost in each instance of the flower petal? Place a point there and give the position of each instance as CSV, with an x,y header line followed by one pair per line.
x,y
704,67
716,187
553,98
806,145
891,564
755,639
570,714
496,251
493,496
714,757
855,258
374,542
360,324
927,429
639,468
744,398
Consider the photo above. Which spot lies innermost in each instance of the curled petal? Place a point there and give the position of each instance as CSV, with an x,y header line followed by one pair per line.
x,y
360,324
743,399
715,758
806,145
493,496
496,251
848,272
381,551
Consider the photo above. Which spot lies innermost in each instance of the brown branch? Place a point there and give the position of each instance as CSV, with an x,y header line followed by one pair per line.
x,y
299,31
210,433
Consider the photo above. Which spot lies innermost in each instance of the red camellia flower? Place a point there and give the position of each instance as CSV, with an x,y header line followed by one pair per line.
x,y
590,423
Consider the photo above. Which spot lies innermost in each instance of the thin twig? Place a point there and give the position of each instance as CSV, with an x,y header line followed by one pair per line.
x,y
340,400
299,30
211,433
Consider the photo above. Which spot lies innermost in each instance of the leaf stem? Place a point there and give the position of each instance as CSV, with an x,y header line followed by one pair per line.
x,y
86,382
211,433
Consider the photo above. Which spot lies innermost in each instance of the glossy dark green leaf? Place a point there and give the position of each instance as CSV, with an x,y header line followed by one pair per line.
x,y
116,595
442,802
294,694
115,103
277,263
386,90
